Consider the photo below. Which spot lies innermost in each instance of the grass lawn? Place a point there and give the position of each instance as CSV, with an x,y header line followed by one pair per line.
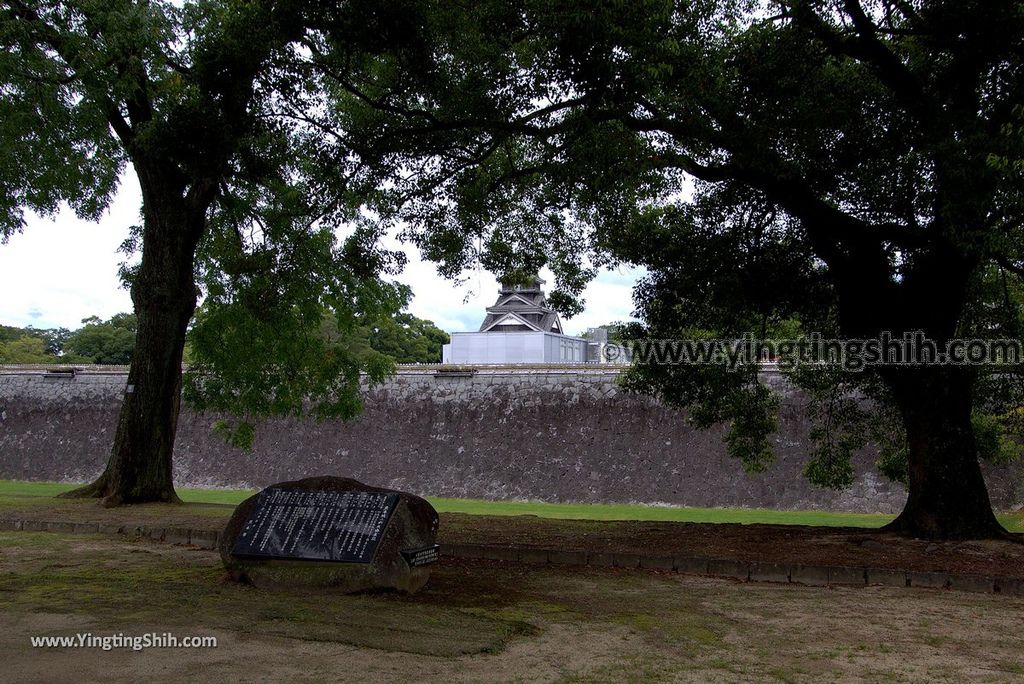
x,y
566,511
216,496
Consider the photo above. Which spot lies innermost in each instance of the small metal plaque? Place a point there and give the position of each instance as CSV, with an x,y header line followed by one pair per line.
x,y
424,555
316,525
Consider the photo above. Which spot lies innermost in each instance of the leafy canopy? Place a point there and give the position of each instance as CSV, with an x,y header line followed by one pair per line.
x,y
844,167
234,116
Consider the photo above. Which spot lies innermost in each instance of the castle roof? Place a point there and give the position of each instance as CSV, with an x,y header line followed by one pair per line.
x,y
521,307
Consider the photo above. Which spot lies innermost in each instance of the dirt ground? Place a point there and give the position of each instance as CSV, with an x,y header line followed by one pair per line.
x,y
854,547
849,546
483,621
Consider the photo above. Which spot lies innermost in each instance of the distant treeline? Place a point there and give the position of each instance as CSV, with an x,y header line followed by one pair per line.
x,y
405,338
97,341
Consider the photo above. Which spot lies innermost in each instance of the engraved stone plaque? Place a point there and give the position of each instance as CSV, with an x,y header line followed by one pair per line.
x,y
316,525
424,555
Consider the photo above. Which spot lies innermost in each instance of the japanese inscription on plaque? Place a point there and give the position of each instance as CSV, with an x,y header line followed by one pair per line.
x,y
424,555
316,525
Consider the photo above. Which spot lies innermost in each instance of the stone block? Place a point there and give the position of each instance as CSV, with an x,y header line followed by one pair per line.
x,y
658,562
626,560
567,557
35,526
887,577
600,560
769,572
539,556
456,550
205,539
732,569
843,575
978,584
500,553
690,565
472,551
1011,586
147,532
928,580
177,535
810,575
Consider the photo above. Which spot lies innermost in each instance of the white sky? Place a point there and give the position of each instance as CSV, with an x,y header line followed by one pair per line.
x,y
61,270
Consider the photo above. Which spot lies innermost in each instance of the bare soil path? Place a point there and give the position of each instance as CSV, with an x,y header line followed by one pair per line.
x,y
482,621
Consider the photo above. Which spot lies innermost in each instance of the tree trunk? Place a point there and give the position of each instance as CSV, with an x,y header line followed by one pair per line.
x,y
164,294
948,498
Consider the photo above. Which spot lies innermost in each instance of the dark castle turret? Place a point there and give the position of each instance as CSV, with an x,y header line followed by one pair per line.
x,y
521,308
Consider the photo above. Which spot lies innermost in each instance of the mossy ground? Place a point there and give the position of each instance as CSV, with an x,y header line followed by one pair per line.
x,y
114,581
486,621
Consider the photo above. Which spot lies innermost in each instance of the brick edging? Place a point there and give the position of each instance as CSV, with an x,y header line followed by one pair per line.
x,y
749,571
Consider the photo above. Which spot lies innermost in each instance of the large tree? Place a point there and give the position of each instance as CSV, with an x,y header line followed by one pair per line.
x,y
849,167
210,103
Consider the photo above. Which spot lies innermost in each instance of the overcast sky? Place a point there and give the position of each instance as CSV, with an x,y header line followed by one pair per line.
x,y
59,271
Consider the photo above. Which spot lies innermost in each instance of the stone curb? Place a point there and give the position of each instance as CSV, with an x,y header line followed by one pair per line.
x,y
744,571
747,571
204,539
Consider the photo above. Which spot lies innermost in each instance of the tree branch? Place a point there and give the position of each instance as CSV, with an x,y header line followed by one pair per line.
x,y
47,35
865,47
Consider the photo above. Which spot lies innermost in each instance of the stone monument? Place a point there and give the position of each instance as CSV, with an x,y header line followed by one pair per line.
x,y
331,533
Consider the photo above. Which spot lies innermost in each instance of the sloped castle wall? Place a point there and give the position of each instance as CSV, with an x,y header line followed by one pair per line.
x,y
558,434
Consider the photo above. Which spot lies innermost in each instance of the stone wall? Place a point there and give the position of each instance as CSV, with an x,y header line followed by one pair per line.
x,y
553,434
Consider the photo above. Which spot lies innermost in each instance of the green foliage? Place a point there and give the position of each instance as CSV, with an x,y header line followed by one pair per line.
x,y
279,331
53,338
26,349
614,331
241,435
847,411
994,444
235,118
754,418
106,342
1014,132
9,333
406,339
31,345
778,169
57,146
796,162
103,342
